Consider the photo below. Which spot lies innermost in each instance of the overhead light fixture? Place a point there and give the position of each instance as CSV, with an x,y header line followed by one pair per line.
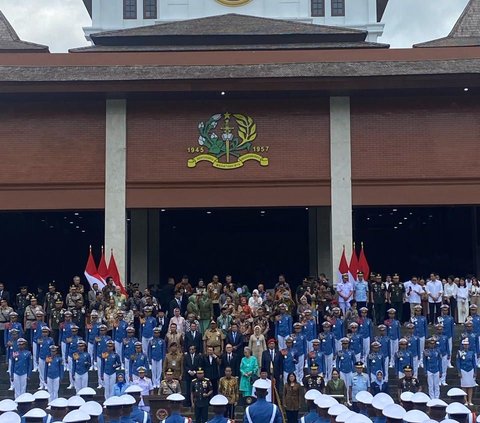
x,y
395,227
262,212
162,210
400,223
222,93
394,210
209,212
76,214
306,208
405,218
466,89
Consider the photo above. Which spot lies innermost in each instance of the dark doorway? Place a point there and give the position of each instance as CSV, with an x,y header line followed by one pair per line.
x,y
253,245
418,240
40,247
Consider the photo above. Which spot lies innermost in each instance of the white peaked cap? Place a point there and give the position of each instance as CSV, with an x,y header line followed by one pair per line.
x,y
76,401
364,397
75,416
127,399
86,391
10,417
456,392
420,398
219,400
436,403
59,403
42,394
113,402
359,418
37,413
457,408
312,394
325,401
133,389
407,396
92,408
345,417
415,416
7,405
337,409
262,384
176,397
381,400
394,411
26,397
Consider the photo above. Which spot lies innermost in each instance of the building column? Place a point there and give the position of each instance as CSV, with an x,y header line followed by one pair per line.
x,y
320,256
145,247
341,181
115,181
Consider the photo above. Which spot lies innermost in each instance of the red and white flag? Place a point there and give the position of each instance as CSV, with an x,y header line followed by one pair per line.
x,y
363,264
91,272
114,273
102,266
343,266
353,267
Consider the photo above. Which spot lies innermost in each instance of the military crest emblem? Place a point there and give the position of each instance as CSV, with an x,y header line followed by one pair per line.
x,y
226,141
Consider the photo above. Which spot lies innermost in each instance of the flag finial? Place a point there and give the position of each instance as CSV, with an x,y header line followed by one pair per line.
x,y
361,244
90,248
111,250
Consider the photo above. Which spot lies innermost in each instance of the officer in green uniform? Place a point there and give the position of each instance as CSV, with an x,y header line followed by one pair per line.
x,y
314,380
56,317
51,298
378,298
396,294
202,390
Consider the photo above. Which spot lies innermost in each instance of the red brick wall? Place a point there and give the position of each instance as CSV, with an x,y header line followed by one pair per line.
x,y
296,131
415,138
52,141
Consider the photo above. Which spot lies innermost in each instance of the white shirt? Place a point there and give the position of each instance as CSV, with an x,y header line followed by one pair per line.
x,y
450,290
269,392
346,289
434,288
413,291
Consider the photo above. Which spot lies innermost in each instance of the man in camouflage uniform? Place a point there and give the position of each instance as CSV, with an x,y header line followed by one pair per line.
x,y
22,300
378,299
169,385
56,317
50,298
396,294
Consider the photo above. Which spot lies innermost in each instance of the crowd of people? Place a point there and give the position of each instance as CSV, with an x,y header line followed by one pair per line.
x,y
218,338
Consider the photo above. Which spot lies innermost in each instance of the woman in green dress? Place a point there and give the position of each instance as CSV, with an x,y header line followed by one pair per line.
x,y
336,387
248,370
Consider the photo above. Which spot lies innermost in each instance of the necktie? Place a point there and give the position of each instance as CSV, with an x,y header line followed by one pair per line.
x,y
234,333
229,358
210,359
272,354
193,357
193,335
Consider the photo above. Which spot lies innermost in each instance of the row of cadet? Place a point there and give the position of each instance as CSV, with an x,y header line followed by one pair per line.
x,y
39,408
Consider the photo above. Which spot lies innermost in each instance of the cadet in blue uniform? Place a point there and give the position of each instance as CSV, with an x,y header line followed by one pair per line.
x,y
393,333
72,348
300,344
384,341
403,358
137,360
283,326
420,329
94,410
466,367
219,404
448,323
337,327
290,358
137,415
12,347
327,346
22,365
360,383
128,348
120,333
44,342
54,369
110,364
93,330
36,333
113,408
356,341
365,329
156,354
65,335
309,329
345,364
413,345
262,411
379,402
100,349
441,342
13,324
432,362
81,364
375,361
472,337
148,324
176,401
317,357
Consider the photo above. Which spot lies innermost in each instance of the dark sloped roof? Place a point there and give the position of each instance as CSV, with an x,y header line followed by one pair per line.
x,y
466,31
353,69
229,32
220,47
10,41
381,6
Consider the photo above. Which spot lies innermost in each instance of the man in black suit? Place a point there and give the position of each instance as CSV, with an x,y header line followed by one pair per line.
x,y
191,362
272,362
162,323
235,338
4,295
230,359
210,366
180,301
194,337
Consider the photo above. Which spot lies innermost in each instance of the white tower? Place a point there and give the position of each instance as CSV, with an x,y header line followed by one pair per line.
x,y
110,15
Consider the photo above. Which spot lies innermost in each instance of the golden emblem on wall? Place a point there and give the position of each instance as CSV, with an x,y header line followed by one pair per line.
x,y
233,2
226,141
